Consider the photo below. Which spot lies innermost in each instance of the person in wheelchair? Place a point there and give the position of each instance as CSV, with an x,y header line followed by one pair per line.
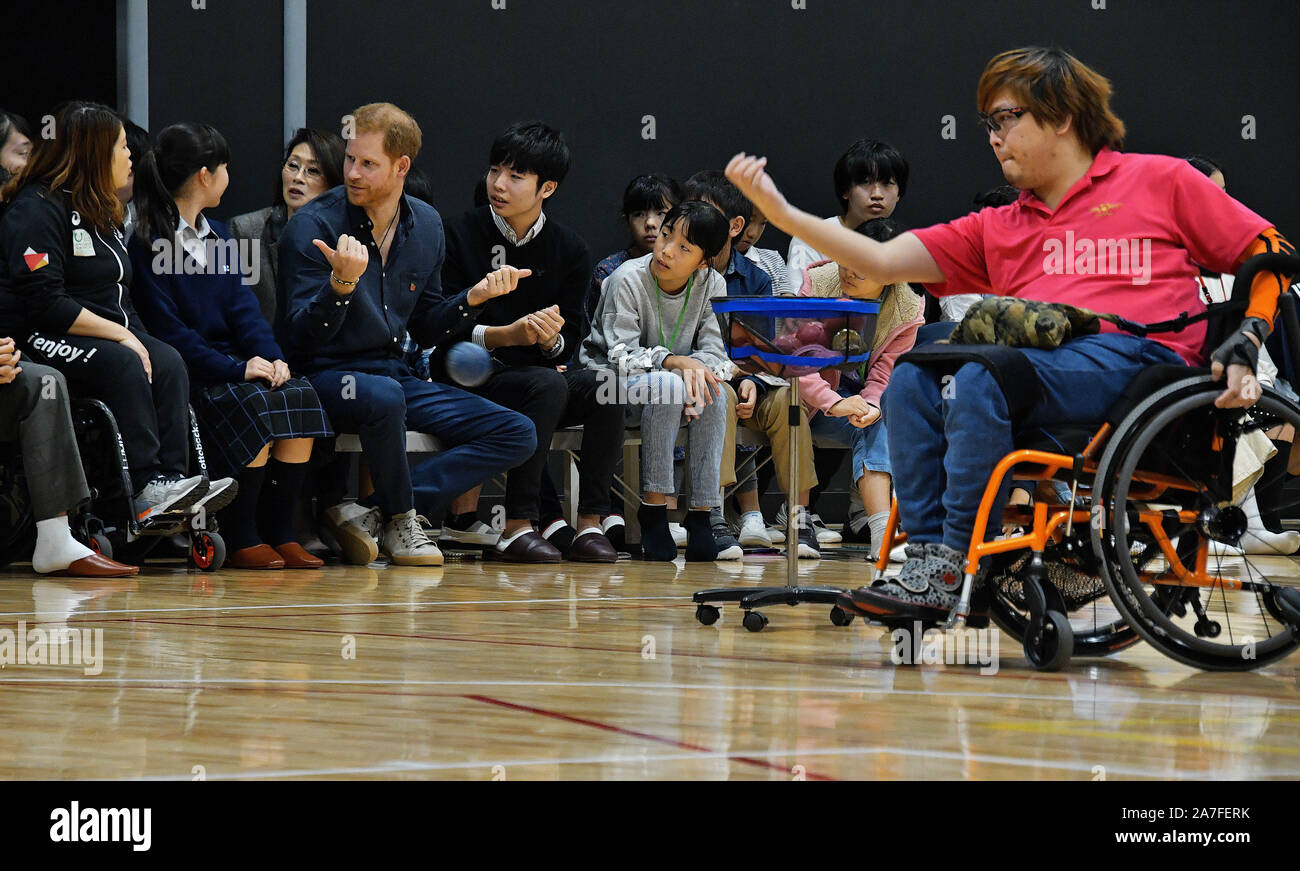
x,y
1051,128
34,412
64,290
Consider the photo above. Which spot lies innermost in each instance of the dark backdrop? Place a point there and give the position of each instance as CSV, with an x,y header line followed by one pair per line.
x,y
718,75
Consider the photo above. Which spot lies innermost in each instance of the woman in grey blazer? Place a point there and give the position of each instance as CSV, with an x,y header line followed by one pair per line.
x,y
313,163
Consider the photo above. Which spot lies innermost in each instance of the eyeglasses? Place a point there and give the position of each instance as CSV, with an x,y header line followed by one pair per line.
x,y
293,167
994,122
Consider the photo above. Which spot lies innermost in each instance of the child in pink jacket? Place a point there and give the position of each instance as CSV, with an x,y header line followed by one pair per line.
x,y
844,407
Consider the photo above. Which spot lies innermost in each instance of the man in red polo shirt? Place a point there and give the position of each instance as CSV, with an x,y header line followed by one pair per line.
x,y
1093,227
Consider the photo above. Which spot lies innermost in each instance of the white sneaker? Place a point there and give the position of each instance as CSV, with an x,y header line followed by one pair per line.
x,y
679,533
753,532
169,494
356,529
407,544
479,534
221,493
825,535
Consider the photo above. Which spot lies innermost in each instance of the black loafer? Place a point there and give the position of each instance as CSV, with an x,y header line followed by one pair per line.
x,y
528,548
592,547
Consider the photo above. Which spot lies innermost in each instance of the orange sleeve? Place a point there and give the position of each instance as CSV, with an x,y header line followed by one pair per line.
x,y
1267,286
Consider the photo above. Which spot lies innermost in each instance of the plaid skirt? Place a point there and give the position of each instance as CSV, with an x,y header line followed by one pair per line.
x,y
237,419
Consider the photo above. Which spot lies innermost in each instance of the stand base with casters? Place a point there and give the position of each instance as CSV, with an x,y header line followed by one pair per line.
x,y
854,319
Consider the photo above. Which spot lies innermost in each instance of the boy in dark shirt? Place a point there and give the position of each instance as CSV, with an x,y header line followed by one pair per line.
x,y
532,331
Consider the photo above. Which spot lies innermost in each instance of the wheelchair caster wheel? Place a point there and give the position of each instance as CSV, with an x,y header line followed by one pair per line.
x,y
1052,647
754,621
1207,628
207,551
707,614
100,544
840,617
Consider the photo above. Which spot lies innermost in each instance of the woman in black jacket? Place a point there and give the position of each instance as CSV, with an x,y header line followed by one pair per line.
x,y
64,292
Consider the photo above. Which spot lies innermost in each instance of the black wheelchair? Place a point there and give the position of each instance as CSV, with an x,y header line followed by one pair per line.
x,y
108,524
1128,552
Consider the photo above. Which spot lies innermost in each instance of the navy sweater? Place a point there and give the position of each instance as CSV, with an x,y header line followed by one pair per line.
x,y
212,320
561,266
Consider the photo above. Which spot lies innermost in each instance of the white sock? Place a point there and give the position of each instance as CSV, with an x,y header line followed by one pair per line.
x,y
56,549
877,523
586,530
506,541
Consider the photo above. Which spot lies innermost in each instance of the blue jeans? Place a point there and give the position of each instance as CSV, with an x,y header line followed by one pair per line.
x,y
870,446
945,439
479,438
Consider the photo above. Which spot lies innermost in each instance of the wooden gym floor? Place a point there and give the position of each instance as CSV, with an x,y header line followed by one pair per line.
x,y
481,671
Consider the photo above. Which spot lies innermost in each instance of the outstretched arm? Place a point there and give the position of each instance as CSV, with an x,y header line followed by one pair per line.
x,y
901,259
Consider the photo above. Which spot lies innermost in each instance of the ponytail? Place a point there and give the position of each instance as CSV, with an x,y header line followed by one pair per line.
x,y
155,210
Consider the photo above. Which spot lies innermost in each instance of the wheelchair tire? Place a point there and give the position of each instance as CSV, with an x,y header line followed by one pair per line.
x,y
207,551
100,544
1174,428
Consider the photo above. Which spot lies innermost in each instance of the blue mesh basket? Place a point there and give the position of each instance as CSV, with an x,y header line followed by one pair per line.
x,y
795,336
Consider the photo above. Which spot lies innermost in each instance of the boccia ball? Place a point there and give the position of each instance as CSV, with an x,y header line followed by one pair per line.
x,y
468,364
812,333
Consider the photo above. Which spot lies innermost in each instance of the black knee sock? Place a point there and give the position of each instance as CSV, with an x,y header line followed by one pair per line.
x,y
279,496
701,547
1268,493
239,518
656,539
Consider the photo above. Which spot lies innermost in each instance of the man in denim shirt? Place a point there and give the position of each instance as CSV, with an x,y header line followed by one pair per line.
x,y
360,266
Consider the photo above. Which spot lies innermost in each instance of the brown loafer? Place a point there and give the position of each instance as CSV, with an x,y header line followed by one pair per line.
x,y
592,547
95,566
261,556
528,548
296,556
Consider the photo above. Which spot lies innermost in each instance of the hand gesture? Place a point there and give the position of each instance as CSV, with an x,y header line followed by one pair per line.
x,y
280,373
748,396
860,413
134,344
749,174
9,358
548,324
259,367
499,282
347,262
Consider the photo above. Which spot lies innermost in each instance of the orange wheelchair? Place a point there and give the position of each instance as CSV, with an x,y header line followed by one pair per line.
x,y
1139,542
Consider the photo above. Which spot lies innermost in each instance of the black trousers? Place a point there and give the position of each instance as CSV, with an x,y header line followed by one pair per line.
x,y
34,412
154,419
551,400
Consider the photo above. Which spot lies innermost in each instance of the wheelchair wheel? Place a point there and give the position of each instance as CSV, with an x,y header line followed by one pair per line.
x,y
1097,627
1165,493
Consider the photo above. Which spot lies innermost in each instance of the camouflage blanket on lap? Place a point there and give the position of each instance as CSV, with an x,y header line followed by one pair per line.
x,y
1023,323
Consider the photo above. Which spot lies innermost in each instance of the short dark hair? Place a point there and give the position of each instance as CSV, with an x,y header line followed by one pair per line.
x,y
419,185
1002,195
1207,165
880,229
326,147
705,226
649,192
865,161
713,186
531,146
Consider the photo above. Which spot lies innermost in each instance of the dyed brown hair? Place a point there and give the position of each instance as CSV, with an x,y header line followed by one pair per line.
x,y
80,159
1055,85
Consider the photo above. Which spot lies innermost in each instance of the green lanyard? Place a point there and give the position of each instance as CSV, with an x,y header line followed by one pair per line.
x,y
680,317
